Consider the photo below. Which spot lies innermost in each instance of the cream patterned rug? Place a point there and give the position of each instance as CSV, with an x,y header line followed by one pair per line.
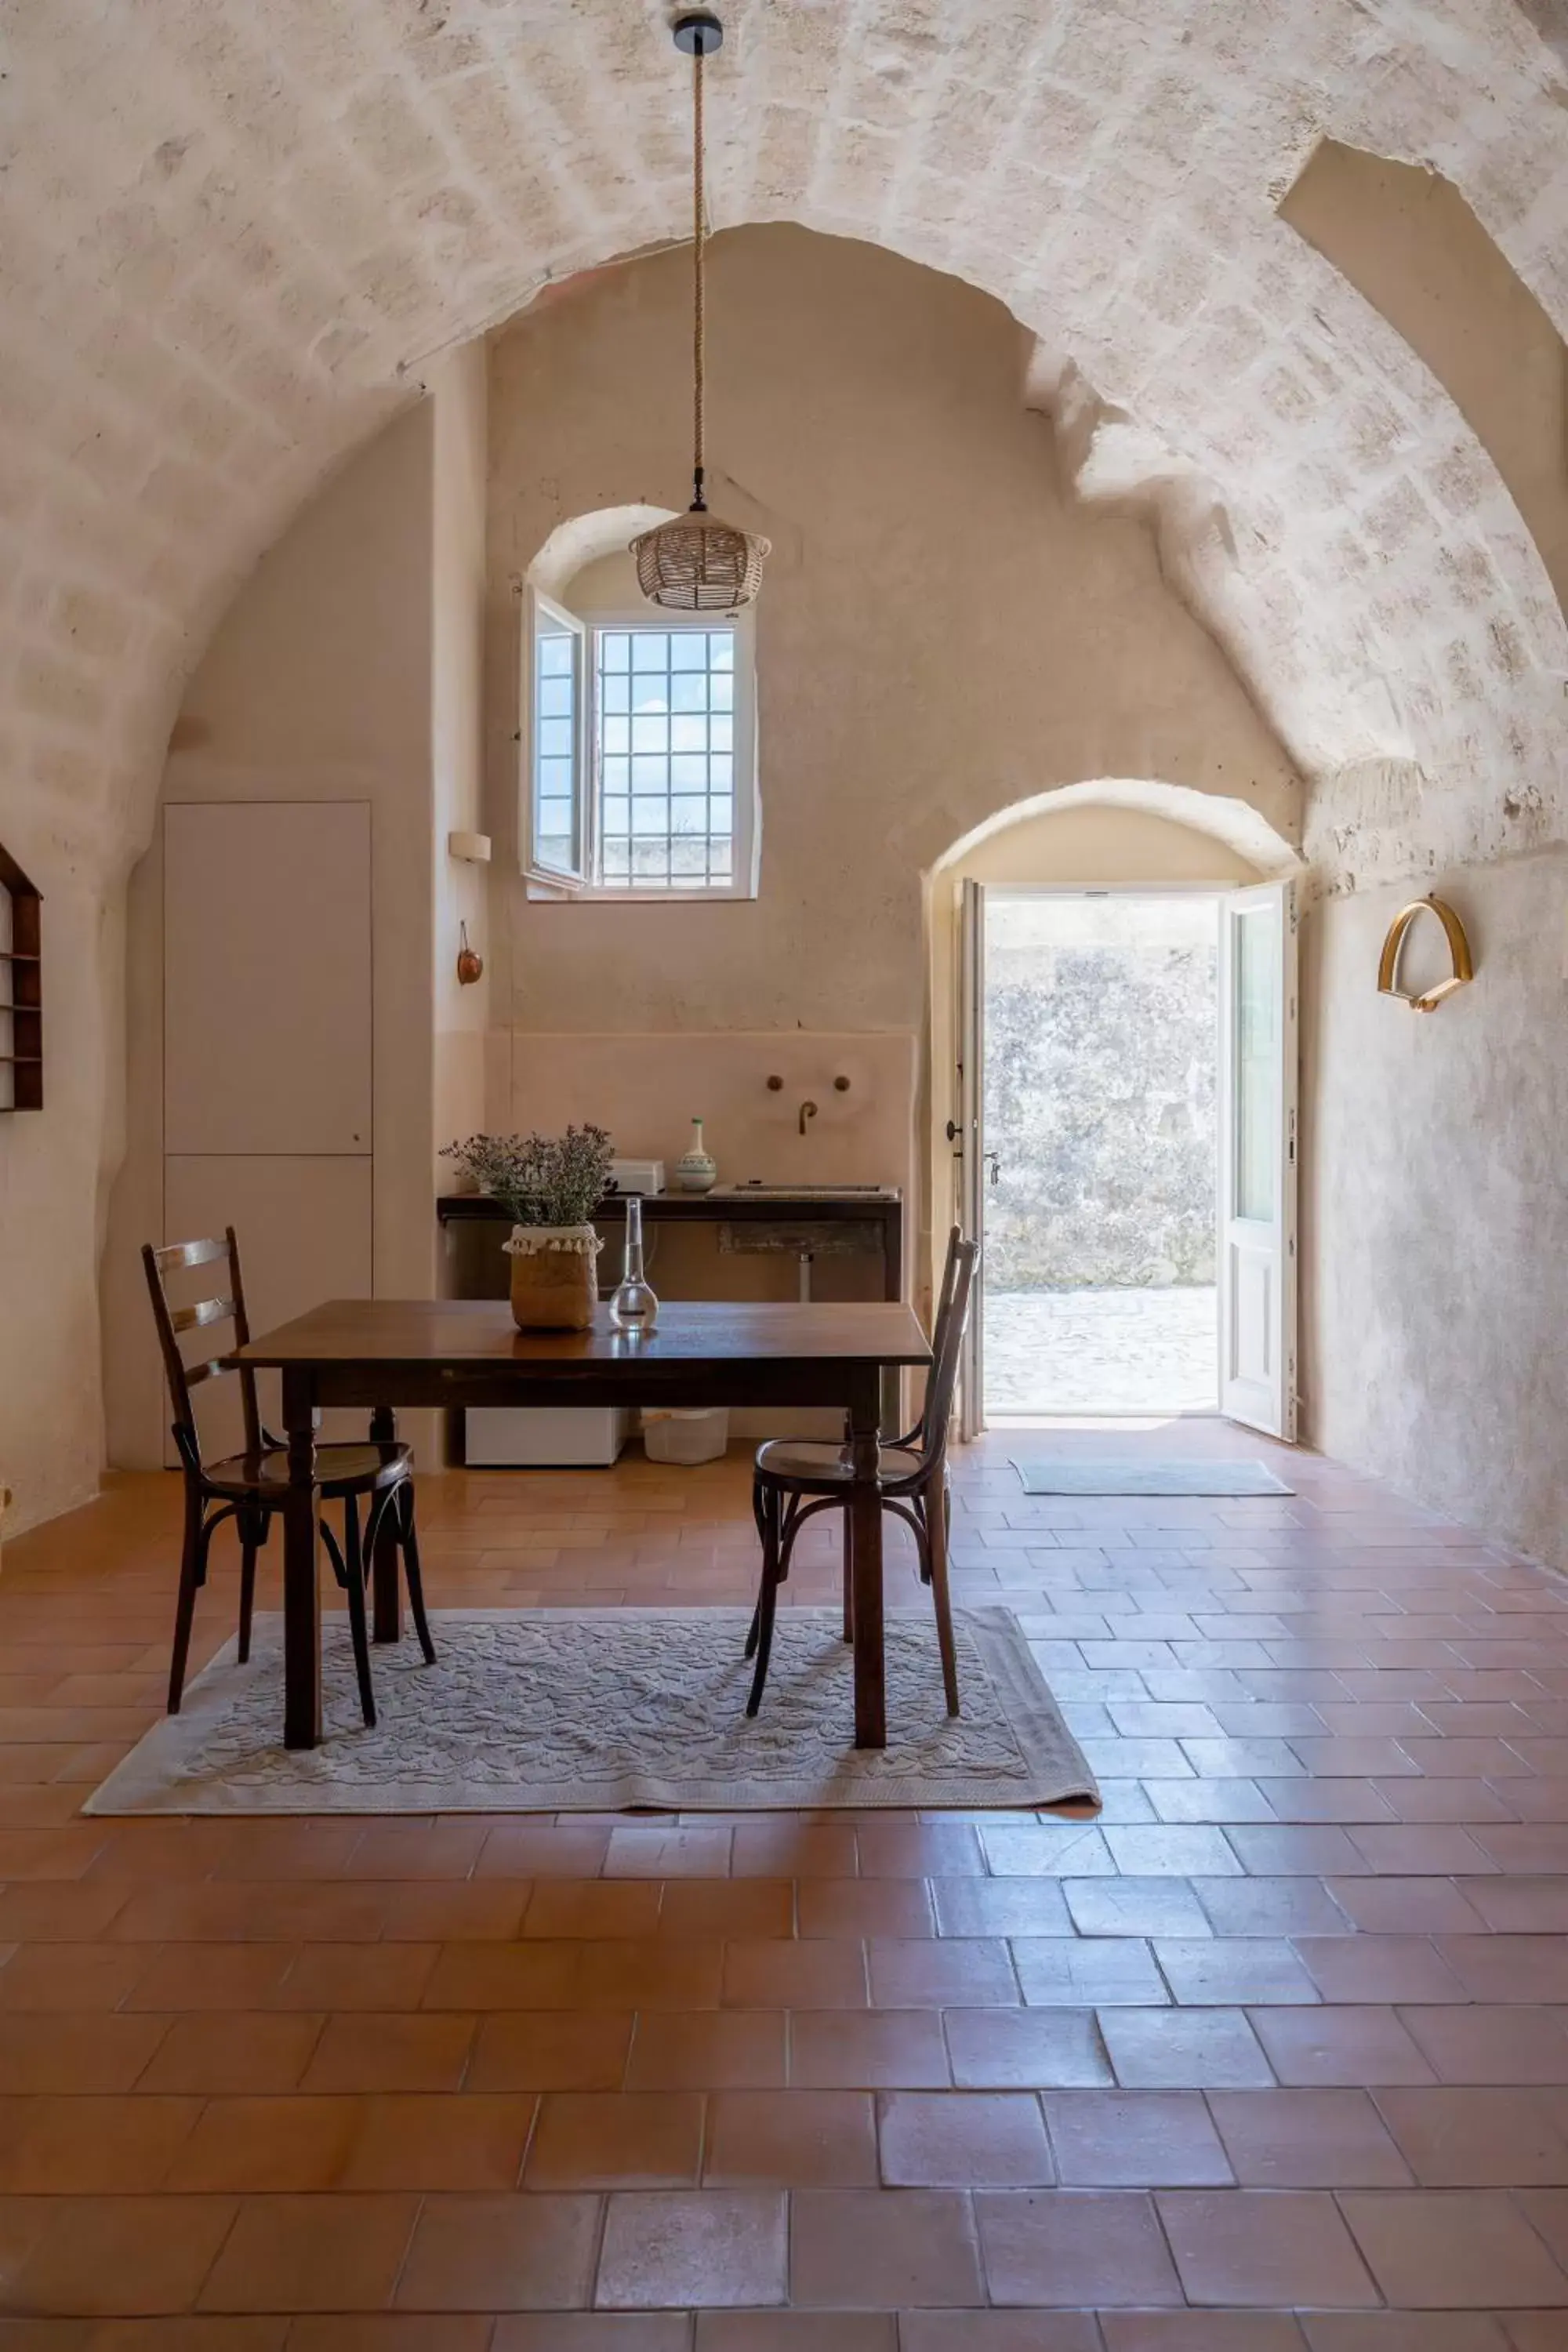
x,y
596,1710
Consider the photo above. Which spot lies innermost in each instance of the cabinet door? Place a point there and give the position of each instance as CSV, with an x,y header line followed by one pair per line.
x,y
266,977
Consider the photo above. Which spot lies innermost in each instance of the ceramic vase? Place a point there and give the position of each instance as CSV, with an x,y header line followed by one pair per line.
x,y
696,1170
554,1277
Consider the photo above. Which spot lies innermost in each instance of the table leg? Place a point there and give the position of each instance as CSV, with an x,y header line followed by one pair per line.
x,y
864,1522
386,1582
301,1591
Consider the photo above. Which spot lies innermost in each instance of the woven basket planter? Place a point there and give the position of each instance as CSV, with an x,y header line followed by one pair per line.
x,y
554,1277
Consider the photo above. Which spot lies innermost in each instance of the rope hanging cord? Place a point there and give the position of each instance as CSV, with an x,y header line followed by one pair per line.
x,y
699,315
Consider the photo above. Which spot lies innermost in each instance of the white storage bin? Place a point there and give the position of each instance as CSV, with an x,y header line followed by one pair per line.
x,y
695,1436
542,1437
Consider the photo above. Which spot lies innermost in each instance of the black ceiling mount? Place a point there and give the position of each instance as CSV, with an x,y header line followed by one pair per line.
x,y
698,34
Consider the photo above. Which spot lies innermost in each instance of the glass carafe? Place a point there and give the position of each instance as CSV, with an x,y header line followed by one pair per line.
x,y
633,1307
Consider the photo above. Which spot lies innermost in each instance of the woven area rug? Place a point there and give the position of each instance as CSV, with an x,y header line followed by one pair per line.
x,y
598,1710
1045,1475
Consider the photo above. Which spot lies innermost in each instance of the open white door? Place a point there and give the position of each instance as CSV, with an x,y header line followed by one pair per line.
x,y
1258,1158
969,1142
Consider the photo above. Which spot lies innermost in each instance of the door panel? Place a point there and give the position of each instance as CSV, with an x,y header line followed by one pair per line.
x,y
304,1227
267,976
1259,1157
970,1142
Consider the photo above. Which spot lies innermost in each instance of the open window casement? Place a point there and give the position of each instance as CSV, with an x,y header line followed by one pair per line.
x,y
554,732
1258,1158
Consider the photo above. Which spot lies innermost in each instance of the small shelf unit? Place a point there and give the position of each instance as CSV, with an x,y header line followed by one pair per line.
x,y
21,989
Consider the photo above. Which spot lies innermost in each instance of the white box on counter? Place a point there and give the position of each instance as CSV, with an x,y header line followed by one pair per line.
x,y
637,1175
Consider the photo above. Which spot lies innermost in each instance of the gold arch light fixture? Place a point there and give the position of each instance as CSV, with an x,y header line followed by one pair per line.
x,y
1458,955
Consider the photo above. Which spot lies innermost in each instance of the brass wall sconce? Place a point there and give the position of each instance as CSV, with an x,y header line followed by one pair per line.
x,y
1458,955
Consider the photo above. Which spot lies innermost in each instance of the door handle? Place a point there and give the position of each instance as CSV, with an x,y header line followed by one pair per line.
x,y
952,1131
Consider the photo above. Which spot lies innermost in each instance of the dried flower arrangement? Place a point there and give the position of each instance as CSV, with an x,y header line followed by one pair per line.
x,y
541,1180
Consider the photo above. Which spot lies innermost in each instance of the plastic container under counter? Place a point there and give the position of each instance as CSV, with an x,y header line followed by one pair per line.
x,y
542,1437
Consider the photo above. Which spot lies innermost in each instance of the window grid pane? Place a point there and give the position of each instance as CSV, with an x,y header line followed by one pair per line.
x,y
675,829
554,730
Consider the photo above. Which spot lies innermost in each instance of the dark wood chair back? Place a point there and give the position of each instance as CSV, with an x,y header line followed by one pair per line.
x,y
172,1321
947,1342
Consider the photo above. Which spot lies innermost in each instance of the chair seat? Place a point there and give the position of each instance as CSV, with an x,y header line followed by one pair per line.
x,y
805,1462
340,1470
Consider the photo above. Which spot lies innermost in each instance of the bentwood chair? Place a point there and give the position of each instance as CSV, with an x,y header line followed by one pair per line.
x,y
249,1487
796,1478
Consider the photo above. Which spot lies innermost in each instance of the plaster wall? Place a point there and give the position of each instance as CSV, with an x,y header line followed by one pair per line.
x,y
317,685
1435,1214
940,635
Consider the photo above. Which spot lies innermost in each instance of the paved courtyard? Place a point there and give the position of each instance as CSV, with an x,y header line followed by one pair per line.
x,y
1101,1351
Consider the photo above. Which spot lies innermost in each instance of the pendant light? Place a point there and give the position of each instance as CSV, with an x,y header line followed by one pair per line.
x,y
697,563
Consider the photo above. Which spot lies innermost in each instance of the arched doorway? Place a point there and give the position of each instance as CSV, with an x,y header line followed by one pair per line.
x,y
1113,1103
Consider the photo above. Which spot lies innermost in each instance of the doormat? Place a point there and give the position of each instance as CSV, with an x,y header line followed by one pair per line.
x,y
1046,1476
598,1710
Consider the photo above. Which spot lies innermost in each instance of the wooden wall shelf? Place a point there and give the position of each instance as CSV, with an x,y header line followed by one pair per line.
x,y
22,976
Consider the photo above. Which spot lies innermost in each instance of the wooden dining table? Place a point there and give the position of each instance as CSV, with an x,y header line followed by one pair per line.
x,y
387,1353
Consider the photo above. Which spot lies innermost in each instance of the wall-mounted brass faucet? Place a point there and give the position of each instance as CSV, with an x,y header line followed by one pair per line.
x,y
808,1110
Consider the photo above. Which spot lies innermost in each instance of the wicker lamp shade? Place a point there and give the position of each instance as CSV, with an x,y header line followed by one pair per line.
x,y
699,565
694,563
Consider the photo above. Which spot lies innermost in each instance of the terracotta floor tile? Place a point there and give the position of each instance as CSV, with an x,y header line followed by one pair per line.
x,y
42,2052
1424,1907
253,2144
1296,1851
1423,1849
704,2247
501,2254
998,2331
1307,2139
991,1906
1172,1850
70,1976
1075,2247
790,2139
1243,2247
1367,1969
797,2331
1200,2331
119,2255
883,2249
926,1973
184,2332
1191,2049
1498,2046
1134,2139
525,2051
1334,2045
415,1849
610,2139
591,2331
1054,1850
212,1977
812,1974
542,1849
1236,1970
60,1911
1394,2331
919,1849
1026,2049
1526,1906
940,2139
450,1910
310,2253
387,2332
365,2052
87,2146
853,1907
743,1907
655,1852
1478,2138
1270,1906
1547,2209
216,2052
384,1977
1508,1968
475,2142
794,1850
1099,1970
1433,2250
1136,1907
709,2050
849,2050
593,1906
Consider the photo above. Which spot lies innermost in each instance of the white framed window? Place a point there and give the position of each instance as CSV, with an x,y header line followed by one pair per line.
x,y
639,772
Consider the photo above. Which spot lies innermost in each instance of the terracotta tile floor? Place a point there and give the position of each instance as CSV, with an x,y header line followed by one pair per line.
x,y
1272,2057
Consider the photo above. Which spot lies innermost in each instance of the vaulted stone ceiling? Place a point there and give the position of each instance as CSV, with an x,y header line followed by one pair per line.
x,y
231,235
